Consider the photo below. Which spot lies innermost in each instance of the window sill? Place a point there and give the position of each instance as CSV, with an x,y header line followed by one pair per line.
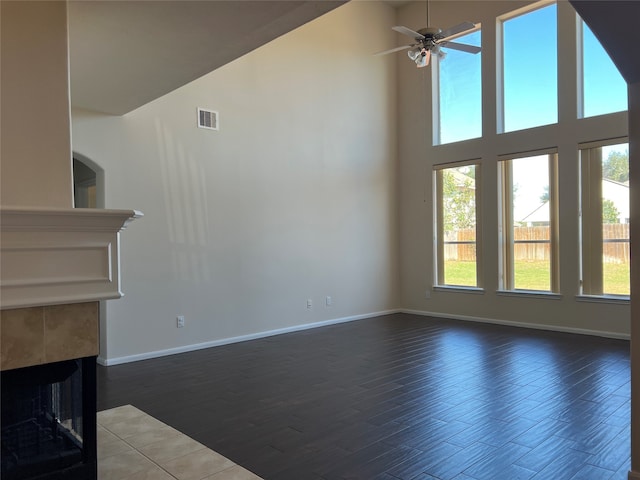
x,y
458,289
529,294
611,299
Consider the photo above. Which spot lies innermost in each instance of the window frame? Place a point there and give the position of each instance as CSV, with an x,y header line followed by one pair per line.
x,y
500,92
506,260
591,241
580,73
439,243
436,107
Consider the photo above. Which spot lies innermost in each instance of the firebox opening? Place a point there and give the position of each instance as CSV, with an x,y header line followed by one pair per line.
x,y
44,413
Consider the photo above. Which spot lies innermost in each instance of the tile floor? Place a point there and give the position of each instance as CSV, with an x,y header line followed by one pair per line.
x,y
135,446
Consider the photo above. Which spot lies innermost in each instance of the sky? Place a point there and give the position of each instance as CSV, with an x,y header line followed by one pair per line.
x,y
530,92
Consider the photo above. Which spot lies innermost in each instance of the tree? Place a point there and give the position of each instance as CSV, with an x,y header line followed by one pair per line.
x,y
459,200
616,166
610,213
545,197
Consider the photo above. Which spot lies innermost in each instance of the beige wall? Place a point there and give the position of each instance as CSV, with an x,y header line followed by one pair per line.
x,y
35,149
417,156
294,198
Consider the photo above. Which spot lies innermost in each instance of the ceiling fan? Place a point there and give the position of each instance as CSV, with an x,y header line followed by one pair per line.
x,y
430,40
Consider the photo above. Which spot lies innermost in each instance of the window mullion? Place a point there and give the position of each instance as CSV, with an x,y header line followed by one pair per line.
x,y
479,256
439,214
506,214
553,223
595,221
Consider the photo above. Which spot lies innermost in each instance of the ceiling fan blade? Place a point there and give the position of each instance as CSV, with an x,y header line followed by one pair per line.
x,y
408,32
463,47
397,49
462,27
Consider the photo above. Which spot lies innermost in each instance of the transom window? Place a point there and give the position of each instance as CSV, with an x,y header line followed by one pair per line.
x,y
603,88
458,81
529,76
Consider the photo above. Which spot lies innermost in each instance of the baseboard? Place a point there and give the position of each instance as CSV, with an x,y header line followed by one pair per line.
x,y
536,326
242,338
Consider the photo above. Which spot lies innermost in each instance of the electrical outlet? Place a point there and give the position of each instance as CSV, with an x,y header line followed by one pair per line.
x,y
328,301
427,293
309,304
180,321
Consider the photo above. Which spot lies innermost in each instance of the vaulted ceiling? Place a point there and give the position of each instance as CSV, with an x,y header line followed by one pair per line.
x,y
124,54
615,24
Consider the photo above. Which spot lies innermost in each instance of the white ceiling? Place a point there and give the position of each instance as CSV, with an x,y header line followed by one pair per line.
x,y
124,54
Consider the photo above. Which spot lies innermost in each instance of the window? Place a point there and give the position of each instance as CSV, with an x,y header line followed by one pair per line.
x,y
603,88
605,219
457,229
528,201
458,105
529,69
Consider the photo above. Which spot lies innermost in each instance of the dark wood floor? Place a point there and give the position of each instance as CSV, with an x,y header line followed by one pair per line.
x,y
397,397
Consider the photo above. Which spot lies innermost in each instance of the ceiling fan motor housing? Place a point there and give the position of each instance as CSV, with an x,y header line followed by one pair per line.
x,y
429,31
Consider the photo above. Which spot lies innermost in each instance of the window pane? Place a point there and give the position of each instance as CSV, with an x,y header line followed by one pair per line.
x,y
460,93
530,69
615,220
531,223
459,225
604,89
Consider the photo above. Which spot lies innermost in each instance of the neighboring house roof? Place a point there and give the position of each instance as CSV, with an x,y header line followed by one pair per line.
x,y
539,215
617,192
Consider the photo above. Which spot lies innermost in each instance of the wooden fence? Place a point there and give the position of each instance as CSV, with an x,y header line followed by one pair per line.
x,y
613,251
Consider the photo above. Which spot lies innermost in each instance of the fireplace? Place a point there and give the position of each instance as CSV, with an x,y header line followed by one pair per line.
x,y
57,265
48,427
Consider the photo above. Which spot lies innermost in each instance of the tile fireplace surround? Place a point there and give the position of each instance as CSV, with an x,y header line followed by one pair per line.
x,y
57,264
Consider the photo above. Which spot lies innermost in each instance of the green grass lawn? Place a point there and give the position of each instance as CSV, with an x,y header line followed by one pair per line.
x,y
535,276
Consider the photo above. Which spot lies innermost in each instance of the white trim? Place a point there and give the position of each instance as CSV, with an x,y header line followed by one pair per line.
x,y
510,323
529,294
608,142
458,289
60,255
242,338
613,300
307,326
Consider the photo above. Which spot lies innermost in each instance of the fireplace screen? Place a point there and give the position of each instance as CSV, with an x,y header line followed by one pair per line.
x,y
47,418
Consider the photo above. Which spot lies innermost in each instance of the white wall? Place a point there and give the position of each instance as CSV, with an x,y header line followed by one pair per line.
x,y
417,157
294,197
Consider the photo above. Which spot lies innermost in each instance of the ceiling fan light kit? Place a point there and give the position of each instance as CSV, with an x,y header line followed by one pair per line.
x,y
420,56
430,40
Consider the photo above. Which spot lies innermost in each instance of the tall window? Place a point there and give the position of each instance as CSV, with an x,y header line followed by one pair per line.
x,y
456,215
528,201
603,88
529,69
458,106
605,219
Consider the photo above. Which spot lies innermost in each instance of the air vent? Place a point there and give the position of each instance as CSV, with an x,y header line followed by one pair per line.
x,y
208,119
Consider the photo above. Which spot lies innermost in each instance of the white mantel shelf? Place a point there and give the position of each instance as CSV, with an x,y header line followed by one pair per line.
x,y
59,256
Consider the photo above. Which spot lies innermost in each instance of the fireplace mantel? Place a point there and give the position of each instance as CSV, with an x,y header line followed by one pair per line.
x,y
60,256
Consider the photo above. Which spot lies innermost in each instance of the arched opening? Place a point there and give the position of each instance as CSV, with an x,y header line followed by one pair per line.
x,y
88,183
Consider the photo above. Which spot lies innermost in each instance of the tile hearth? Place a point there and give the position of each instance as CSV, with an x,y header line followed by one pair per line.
x,y
135,446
